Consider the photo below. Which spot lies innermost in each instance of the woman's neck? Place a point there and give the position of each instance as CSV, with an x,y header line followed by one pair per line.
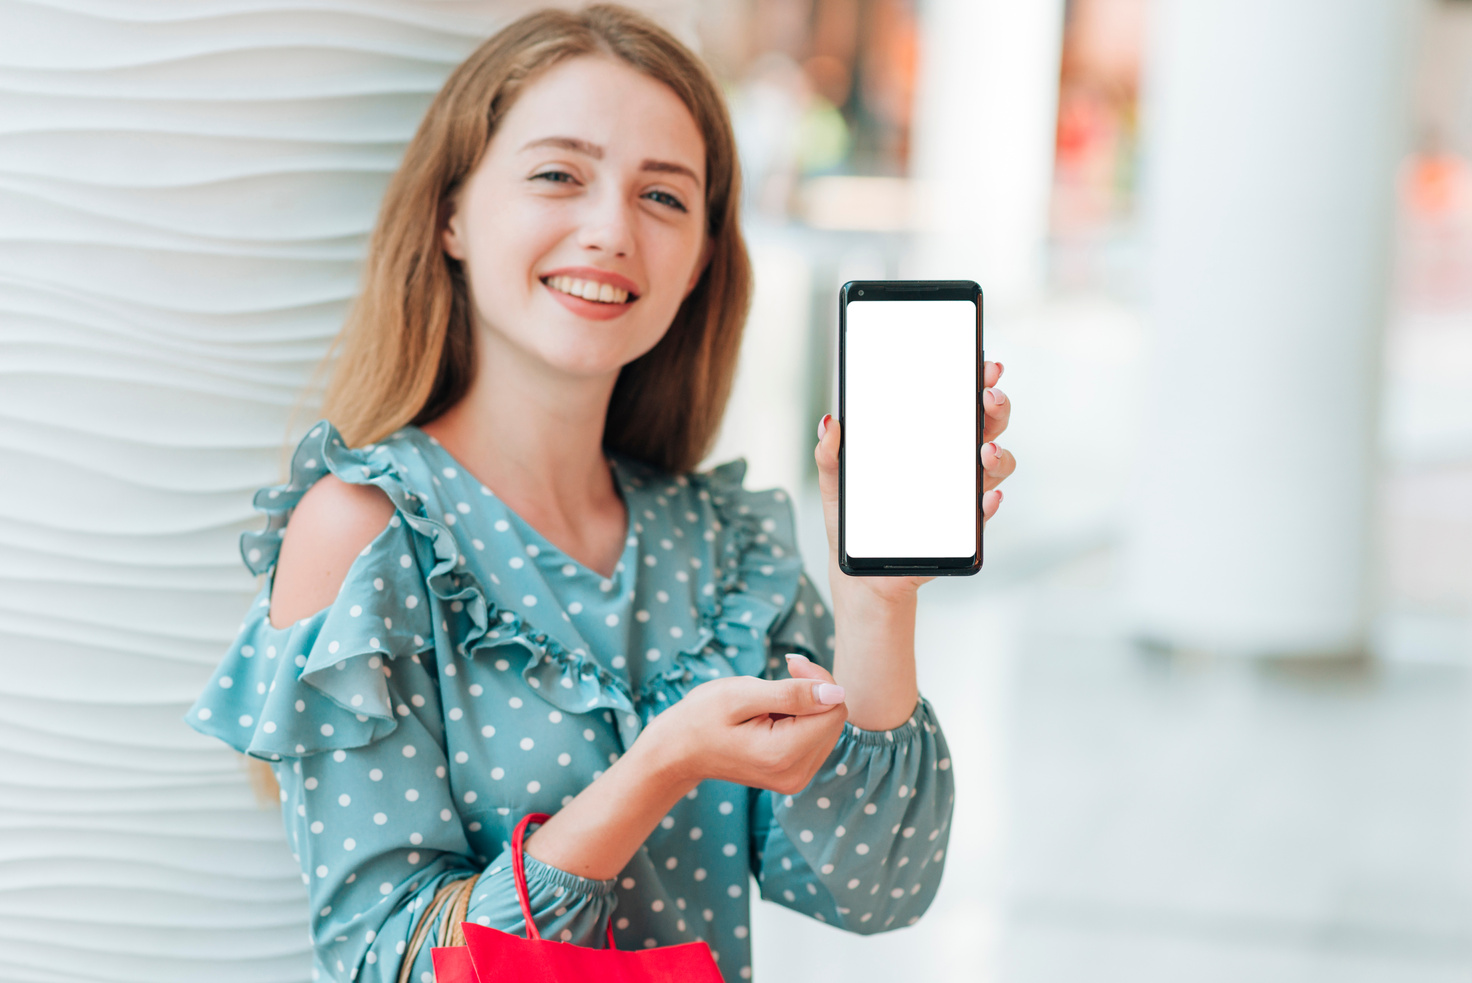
x,y
536,440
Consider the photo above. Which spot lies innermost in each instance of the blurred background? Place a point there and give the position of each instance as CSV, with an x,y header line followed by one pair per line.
x,y
1210,699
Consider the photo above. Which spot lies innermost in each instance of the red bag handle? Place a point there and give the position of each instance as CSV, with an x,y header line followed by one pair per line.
x,y
518,868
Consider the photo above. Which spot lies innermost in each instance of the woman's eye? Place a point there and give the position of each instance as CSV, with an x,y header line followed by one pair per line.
x,y
665,198
556,177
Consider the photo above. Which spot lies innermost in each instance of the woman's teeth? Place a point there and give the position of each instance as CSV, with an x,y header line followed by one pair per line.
x,y
602,293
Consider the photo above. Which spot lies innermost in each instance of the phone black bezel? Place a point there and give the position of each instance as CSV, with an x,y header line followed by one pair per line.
x,y
880,291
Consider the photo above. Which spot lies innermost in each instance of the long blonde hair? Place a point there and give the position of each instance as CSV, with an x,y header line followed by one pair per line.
x,y
408,343
407,348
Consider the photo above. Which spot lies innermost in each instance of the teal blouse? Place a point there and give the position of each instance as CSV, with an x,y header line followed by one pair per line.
x,y
469,673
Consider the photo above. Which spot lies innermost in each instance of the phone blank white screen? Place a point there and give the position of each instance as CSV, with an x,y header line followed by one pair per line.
x,y
909,436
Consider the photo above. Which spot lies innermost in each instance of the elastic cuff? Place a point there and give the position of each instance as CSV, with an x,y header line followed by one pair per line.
x,y
539,874
908,731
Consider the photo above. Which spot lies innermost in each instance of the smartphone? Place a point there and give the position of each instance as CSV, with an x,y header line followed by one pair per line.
x,y
909,407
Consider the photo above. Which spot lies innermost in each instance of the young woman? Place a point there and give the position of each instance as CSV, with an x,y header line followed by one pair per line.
x,y
501,590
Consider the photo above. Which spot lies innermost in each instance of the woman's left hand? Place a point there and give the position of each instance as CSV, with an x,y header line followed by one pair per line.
x,y
997,464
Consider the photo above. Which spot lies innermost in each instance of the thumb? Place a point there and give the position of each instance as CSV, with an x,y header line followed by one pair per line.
x,y
800,666
826,457
802,696
754,697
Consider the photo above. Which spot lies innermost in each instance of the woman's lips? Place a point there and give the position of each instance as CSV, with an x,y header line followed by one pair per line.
x,y
592,309
588,287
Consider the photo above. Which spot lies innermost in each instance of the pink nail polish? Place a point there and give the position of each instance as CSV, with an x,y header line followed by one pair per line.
x,y
823,425
998,397
996,451
828,694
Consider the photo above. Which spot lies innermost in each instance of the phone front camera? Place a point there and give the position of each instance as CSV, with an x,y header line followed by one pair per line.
x,y
861,293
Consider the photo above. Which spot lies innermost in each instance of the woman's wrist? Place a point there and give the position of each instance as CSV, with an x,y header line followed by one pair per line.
x,y
874,657
664,759
599,831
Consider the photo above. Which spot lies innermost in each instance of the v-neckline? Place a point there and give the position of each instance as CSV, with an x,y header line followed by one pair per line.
x,y
628,559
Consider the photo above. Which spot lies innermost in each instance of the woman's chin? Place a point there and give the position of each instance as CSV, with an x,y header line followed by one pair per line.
x,y
591,349
568,345
587,358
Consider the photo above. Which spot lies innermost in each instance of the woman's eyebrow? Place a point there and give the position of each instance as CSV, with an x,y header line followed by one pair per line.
x,y
594,151
568,143
666,167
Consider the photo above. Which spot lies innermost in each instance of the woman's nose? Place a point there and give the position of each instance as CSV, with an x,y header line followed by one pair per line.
x,y
608,226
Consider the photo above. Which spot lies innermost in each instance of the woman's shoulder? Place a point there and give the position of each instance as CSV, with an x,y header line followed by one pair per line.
x,y
335,492
337,500
331,526
352,566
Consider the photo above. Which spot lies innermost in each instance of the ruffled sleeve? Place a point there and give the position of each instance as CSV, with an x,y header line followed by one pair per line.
x,y
318,684
377,831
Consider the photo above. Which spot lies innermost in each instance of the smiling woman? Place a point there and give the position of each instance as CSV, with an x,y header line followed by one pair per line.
x,y
408,350
594,177
494,586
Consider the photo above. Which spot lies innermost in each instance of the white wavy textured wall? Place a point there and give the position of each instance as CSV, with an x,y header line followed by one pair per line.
x,y
186,187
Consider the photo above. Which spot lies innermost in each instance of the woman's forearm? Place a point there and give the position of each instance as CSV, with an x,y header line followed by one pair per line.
x,y
874,653
599,831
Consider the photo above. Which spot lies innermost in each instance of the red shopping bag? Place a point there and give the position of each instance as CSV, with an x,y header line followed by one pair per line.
x,y
452,964
495,955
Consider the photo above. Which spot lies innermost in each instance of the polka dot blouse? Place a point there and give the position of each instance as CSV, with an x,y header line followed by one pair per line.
x,y
469,673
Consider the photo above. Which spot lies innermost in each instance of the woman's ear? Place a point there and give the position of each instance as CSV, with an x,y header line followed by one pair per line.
x,y
449,230
706,252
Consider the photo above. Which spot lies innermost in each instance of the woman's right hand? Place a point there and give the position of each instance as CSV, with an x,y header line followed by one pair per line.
x,y
764,733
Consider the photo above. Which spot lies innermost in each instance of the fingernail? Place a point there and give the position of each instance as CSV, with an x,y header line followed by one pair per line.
x,y
797,655
998,396
828,693
823,425
996,451
999,370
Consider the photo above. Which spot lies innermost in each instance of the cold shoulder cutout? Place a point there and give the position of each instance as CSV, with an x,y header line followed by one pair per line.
x,y
331,526
318,683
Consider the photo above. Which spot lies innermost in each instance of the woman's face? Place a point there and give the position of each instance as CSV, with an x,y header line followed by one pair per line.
x,y
583,226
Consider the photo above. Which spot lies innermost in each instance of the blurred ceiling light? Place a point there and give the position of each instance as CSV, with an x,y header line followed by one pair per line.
x,y
858,204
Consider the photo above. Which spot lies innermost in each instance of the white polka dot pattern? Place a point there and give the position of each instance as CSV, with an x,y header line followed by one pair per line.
x,y
473,707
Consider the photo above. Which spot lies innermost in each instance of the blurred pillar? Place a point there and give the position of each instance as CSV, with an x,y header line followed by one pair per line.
x,y
1271,133
985,116
185,204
